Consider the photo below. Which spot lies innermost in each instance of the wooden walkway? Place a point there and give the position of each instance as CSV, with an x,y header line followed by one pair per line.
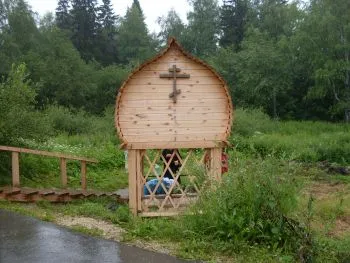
x,y
22,194
53,195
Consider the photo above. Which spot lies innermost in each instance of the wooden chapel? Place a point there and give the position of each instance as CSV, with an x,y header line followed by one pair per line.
x,y
173,101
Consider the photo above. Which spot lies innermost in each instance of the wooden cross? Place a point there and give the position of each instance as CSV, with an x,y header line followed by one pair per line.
x,y
174,74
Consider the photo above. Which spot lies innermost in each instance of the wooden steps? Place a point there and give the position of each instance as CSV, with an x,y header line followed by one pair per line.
x,y
52,195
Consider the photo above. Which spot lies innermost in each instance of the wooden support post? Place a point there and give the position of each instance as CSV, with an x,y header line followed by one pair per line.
x,y
63,167
139,174
215,163
132,168
15,169
83,175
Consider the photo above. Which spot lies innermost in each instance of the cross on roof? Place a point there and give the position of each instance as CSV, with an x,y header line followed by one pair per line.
x,y
174,75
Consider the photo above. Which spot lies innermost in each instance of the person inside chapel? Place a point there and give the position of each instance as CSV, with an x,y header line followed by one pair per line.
x,y
175,163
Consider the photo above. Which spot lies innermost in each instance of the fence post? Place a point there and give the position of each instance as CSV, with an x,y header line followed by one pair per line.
x,y
63,167
15,169
83,175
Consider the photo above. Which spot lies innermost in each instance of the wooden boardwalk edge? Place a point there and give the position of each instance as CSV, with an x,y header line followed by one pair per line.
x,y
53,195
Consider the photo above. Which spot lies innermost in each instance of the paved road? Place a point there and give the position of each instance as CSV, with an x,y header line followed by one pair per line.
x,y
24,239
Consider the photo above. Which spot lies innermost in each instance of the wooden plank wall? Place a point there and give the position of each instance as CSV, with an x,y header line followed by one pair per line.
x,y
146,114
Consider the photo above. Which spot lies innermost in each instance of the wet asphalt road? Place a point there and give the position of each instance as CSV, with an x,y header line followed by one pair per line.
x,y
25,239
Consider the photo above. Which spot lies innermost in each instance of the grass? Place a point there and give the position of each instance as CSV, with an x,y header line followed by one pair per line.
x,y
88,231
28,209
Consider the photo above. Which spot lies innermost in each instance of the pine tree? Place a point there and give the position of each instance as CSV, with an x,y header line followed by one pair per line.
x,y
135,44
233,20
84,26
106,46
137,4
106,17
63,19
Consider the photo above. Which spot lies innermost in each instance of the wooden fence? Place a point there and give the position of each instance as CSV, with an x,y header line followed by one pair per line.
x,y
63,164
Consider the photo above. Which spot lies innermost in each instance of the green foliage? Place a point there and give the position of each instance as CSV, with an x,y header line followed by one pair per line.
x,y
254,206
83,27
108,81
263,77
254,133
333,250
63,19
233,20
91,136
171,26
202,32
65,121
18,116
134,40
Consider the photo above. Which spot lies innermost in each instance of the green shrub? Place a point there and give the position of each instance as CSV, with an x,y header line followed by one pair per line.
x,y
248,122
19,119
64,120
254,204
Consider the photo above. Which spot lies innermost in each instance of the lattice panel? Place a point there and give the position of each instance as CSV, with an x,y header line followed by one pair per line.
x,y
171,179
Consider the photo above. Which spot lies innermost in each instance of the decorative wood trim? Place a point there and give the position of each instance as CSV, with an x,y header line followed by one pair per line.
x,y
156,214
167,145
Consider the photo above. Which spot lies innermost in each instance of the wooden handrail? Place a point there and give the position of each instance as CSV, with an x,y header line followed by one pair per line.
x,y
63,163
45,153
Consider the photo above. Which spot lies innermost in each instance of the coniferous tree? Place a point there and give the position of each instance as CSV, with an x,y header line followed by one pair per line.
x,y
135,44
137,4
84,27
106,42
233,21
106,17
63,19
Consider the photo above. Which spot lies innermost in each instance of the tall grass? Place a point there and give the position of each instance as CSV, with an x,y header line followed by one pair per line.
x,y
253,204
255,133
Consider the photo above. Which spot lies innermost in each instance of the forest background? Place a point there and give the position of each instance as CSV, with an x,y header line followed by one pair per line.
x,y
290,59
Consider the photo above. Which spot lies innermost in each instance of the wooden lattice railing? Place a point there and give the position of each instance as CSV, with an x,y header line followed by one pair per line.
x,y
154,195
63,164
